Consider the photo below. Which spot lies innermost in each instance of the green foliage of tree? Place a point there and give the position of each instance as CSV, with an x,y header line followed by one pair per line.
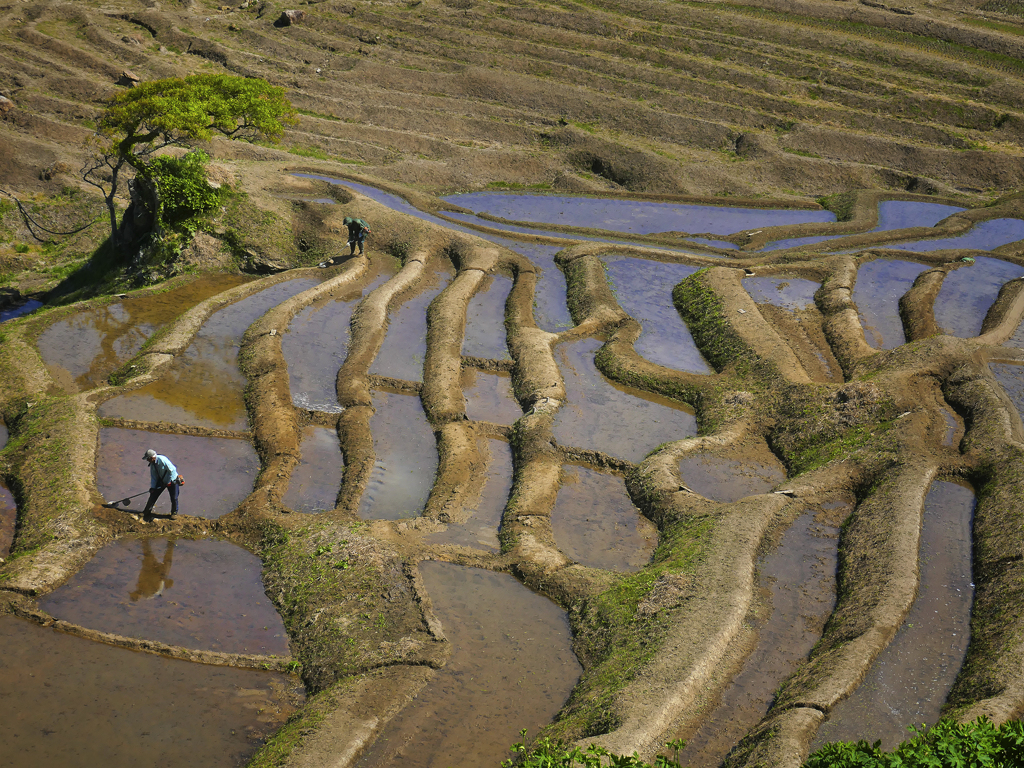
x,y
141,121
183,187
979,744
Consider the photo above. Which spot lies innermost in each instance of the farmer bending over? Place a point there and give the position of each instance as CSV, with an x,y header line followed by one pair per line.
x,y
162,474
357,232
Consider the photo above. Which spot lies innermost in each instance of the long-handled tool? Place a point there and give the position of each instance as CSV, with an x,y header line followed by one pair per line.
x,y
125,500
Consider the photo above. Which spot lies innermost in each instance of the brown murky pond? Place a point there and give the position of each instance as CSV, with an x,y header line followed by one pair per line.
x,y
797,579
727,480
81,351
204,385
406,458
596,524
489,396
511,668
74,703
204,595
315,481
621,421
218,472
480,531
909,681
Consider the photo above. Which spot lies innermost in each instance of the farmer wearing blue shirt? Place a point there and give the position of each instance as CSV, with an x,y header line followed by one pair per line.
x,y
162,474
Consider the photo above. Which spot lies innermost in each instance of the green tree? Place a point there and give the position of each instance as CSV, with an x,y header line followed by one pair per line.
x,y
152,116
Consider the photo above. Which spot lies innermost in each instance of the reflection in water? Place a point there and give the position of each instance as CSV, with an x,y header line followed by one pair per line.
x,y
315,481
800,578
219,472
631,216
1011,378
968,292
728,480
82,350
489,396
8,520
481,530
595,523
22,309
485,319
203,386
644,291
74,703
406,458
909,681
880,284
316,342
405,346
786,292
511,668
197,594
620,421
982,237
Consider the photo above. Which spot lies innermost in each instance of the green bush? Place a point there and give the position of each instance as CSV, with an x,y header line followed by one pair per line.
x,y
548,754
969,745
184,190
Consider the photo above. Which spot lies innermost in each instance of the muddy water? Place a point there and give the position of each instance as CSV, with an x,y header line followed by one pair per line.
x,y
982,237
729,480
644,290
406,458
485,319
786,292
630,216
1011,378
968,292
203,386
316,342
219,473
22,309
799,579
880,284
481,530
316,480
909,681
489,396
620,421
596,524
69,702
405,346
197,594
511,668
82,350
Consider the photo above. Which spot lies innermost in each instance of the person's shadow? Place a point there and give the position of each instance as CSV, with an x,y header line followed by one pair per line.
x,y
155,576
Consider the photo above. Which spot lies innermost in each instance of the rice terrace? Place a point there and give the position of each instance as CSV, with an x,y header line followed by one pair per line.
x,y
444,383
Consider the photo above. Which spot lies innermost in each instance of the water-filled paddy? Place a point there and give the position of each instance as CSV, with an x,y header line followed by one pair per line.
x,y
219,472
83,349
786,292
511,668
880,285
316,342
799,576
623,422
596,524
631,216
485,319
315,481
644,291
909,681
77,704
480,531
728,480
405,345
8,520
982,237
969,291
197,594
1011,378
406,458
489,396
203,386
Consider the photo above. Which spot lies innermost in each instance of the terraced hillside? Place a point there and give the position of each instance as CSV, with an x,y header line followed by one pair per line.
x,y
765,97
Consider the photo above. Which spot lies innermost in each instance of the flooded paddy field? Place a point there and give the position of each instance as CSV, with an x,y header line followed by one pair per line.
x,y
595,505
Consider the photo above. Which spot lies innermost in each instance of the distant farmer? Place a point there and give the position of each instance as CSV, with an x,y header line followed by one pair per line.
x,y
162,474
357,232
